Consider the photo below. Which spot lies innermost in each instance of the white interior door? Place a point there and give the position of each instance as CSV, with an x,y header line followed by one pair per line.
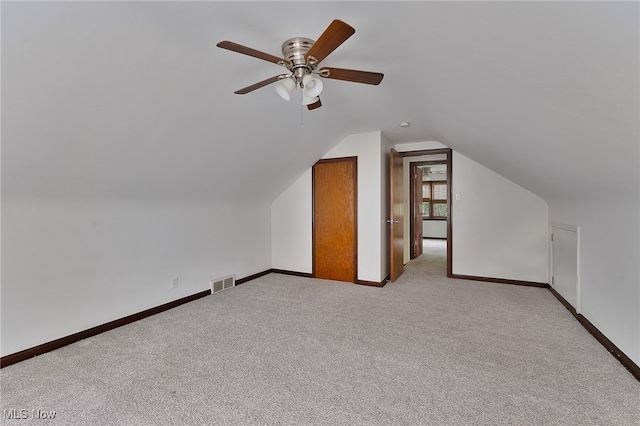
x,y
565,262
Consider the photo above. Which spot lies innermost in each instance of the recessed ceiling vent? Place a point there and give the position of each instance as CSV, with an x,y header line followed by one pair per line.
x,y
223,283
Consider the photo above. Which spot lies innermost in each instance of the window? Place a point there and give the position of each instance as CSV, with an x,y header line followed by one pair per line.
x,y
434,200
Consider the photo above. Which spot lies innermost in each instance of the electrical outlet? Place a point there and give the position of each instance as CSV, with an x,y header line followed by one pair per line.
x,y
174,283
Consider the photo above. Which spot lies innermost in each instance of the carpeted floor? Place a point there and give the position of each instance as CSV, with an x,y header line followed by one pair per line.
x,y
288,350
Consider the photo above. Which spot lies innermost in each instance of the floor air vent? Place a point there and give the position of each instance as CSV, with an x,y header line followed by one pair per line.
x,y
223,283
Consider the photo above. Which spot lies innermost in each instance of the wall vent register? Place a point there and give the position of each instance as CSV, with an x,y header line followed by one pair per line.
x,y
222,283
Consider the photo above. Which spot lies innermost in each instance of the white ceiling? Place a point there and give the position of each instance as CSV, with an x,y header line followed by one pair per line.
x,y
134,99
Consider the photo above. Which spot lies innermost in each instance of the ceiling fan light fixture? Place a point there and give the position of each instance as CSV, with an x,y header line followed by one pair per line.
x,y
308,100
285,88
312,86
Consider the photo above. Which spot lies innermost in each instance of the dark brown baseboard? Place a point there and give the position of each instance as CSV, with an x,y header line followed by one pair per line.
x,y
253,277
371,283
64,341
564,302
294,273
308,275
597,334
500,280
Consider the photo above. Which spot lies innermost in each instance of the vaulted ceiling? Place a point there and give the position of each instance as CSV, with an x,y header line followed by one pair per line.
x,y
134,99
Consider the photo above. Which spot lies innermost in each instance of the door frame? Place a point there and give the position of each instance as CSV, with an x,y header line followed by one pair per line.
x,y
412,191
396,215
448,160
553,227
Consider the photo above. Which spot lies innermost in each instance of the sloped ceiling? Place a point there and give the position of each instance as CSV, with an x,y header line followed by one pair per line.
x,y
134,99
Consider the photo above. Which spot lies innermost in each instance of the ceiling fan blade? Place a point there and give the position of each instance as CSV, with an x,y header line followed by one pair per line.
x,y
356,76
316,104
335,34
259,85
235,47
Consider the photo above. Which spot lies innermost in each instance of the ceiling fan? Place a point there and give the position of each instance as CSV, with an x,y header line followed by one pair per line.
x,y
301,59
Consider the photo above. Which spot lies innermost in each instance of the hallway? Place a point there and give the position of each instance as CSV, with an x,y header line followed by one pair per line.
x,y
433,260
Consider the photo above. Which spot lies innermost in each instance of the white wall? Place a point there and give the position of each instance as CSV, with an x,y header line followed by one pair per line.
x,y
419,146
291,230
434,229
69,265
609,264
288,239
505,235
500,230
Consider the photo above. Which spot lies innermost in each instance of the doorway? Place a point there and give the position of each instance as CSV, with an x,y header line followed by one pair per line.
x,y
434,202
428,200
334,185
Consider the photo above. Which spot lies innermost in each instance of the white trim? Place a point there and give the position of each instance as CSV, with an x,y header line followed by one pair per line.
x,y
565,226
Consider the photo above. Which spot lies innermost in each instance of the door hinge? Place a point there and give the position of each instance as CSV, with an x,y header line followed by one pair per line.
x,y
551,237
552,280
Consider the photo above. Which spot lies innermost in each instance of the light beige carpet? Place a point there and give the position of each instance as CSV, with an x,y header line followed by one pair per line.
x,y
290,350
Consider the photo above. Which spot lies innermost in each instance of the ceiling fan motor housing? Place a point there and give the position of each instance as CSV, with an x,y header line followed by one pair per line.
x,y
293,50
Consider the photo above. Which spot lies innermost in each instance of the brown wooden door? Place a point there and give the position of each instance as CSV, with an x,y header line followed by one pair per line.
x,y
335,219
416,212
396,219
